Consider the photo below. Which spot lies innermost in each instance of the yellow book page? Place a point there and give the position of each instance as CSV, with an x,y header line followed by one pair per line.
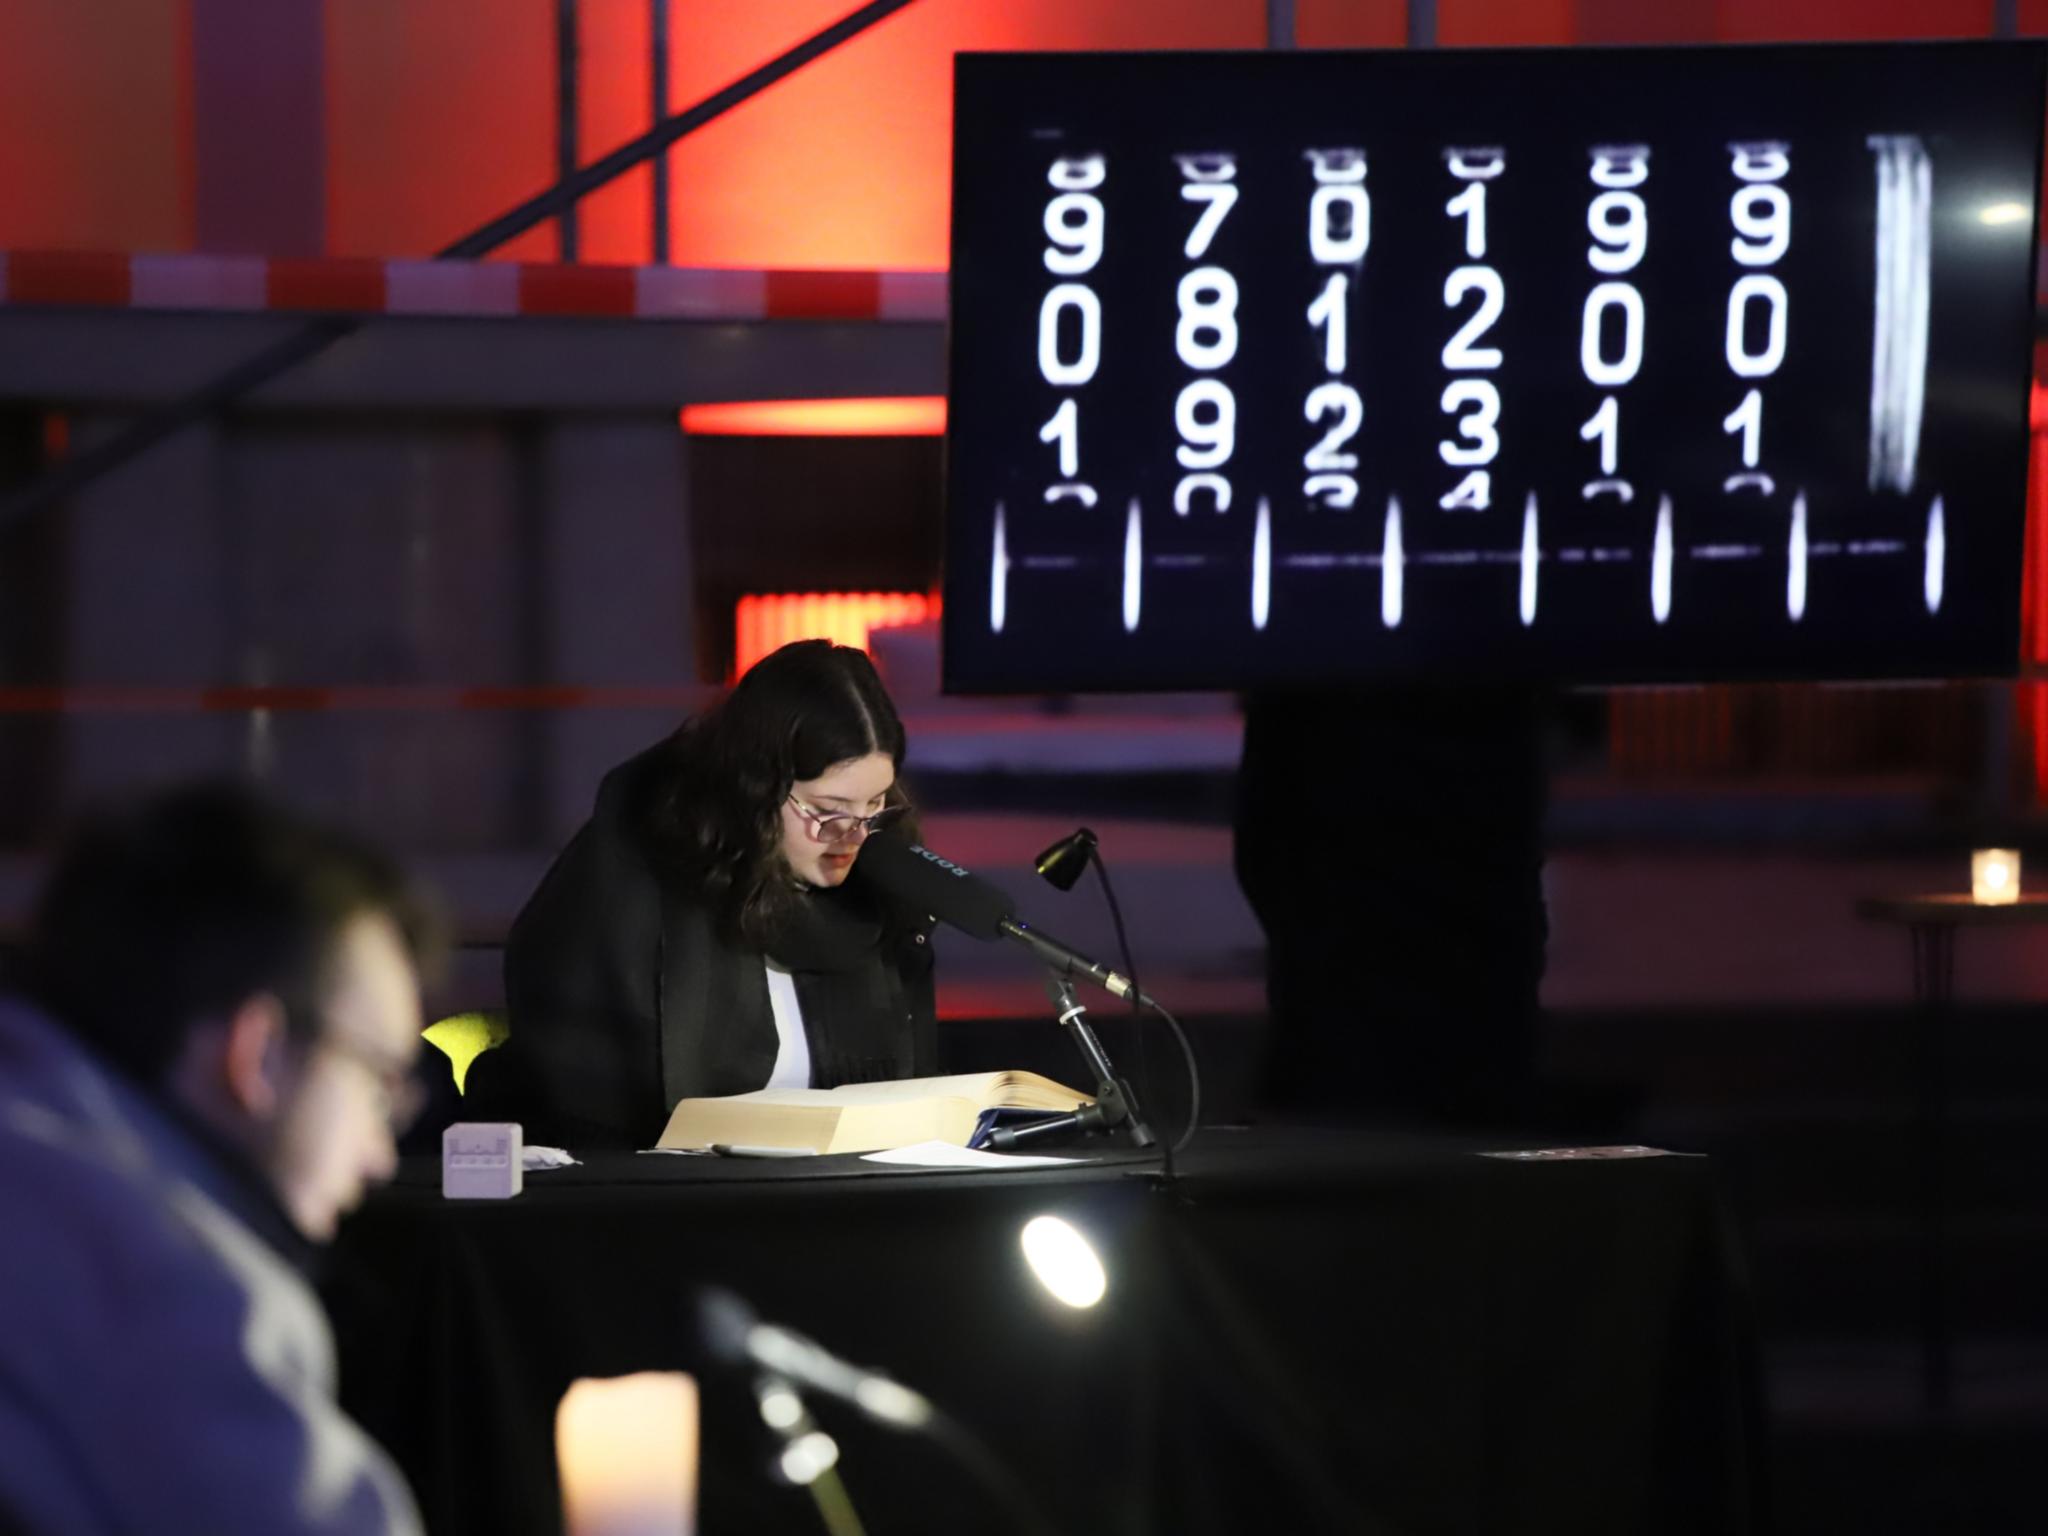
x,y
989,1090
861,1117
699,1123
882,1127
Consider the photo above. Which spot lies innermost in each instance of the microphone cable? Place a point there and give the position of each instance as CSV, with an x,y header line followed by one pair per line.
x,y
1168,1149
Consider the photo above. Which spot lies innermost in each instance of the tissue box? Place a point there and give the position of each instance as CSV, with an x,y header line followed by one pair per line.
x,y
482,1162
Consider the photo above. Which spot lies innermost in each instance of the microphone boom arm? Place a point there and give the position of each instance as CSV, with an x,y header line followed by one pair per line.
x,y
1114,1103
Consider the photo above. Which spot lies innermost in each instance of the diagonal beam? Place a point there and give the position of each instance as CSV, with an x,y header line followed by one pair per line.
x,y
317,336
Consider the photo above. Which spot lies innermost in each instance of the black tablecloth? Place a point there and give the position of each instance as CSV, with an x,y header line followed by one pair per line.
x,y
1303,1332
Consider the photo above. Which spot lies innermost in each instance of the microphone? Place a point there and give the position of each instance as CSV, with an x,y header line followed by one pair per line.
x,y
929,882
735,1335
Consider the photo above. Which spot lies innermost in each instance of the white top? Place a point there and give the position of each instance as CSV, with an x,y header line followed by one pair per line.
x,y
792,1046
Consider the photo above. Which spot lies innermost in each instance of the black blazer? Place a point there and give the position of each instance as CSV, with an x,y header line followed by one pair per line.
x,y
622,997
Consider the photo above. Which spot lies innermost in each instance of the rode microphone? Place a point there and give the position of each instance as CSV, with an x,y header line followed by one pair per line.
x,y
929,882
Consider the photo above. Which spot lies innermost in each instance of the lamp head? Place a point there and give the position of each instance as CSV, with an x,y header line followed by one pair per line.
x,y
1067,860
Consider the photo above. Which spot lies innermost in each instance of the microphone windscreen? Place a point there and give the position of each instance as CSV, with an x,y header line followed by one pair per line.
x,y
925,882
725,1321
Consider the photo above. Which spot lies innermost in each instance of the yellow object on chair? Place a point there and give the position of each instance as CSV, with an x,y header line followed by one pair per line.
x,y
464,1037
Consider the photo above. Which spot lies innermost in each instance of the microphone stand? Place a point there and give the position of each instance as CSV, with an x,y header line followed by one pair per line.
x,y
810,1457
1114,1104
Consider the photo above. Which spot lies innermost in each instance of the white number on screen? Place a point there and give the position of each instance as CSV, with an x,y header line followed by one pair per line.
x,y
1087,310
1617,221
1339,492
1184,493
1762,215
1064,428
1470,205
1760,162
1474,493
1763,286
1601,369
1479,402
1604,427
1323,401
1460,352
1748,419
1217,198
1622,167
1339,225
1206,414
1077,175
1327,312
1208,307
1073,223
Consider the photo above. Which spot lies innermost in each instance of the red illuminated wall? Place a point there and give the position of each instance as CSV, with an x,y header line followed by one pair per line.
x,y
439,114
846,164
95,125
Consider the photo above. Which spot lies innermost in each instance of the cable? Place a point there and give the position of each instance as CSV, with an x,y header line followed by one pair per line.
x,y
1168,1150
1187,1052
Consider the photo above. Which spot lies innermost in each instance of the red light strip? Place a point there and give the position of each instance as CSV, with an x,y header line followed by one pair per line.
x,y
898,416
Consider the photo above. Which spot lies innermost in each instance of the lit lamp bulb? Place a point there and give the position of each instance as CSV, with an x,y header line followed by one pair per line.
x,y
1995,876
627,1451
1064,1261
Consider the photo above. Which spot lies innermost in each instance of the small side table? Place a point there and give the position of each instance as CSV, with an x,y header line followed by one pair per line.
x,y
1931,922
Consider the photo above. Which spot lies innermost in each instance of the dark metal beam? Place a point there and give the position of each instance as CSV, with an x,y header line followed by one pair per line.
x,y
82,469
566,75
545,205
1421,23
657,92
1279,23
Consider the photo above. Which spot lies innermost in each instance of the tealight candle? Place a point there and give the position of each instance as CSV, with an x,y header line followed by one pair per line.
x,y
1995,876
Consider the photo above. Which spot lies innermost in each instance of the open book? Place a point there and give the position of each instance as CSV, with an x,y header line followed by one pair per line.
x,y
864,1117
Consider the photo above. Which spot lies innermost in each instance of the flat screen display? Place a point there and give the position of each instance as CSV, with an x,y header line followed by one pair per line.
x,y
1602,365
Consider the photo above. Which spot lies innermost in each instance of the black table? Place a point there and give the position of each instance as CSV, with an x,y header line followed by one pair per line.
x,y
1307,1331
1932,922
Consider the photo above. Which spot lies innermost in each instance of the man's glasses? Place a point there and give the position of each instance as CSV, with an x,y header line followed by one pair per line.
x,y
837,826
400,1095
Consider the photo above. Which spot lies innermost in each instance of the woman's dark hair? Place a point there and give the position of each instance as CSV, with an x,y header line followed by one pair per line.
x,y
715,817
180,908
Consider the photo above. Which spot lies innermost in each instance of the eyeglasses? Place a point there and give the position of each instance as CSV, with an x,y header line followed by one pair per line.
x,y
400,1095
836,826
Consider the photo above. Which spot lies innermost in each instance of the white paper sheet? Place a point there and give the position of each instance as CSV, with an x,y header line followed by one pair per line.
x,y
943,1154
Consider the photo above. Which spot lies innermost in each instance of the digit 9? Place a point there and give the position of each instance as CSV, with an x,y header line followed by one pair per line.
x,y
1762,216
1616,220
1073,223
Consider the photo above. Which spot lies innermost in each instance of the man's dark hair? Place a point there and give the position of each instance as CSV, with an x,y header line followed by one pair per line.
x,y
181,908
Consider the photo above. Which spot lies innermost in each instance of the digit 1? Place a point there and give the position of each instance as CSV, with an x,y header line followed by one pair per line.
x,y
1605,424
1064,428
1748,419
1470,205
1328,310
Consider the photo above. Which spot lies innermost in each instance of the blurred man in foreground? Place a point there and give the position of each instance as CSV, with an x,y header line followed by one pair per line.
x,y
206,1064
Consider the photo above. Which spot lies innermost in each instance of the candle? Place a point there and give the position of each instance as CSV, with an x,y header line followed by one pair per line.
x,y
1995,876
627,1451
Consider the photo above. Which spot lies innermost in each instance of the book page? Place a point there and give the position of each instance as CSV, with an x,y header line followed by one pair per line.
x,y
988,1090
